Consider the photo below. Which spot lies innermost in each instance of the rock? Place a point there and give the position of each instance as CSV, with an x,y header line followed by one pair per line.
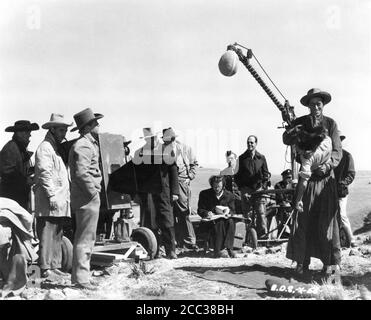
x,y
54,294
273,250
247,249
71,294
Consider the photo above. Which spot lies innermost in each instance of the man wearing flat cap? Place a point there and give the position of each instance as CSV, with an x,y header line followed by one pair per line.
x,y
86,180
316,233
284,199
15,163
52,195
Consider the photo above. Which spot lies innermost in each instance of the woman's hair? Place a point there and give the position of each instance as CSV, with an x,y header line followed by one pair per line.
x,y
310,138
216,179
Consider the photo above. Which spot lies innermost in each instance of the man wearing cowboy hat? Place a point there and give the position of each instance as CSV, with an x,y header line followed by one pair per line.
x,y
187,164
15,164
86,180
52,195
344,174
317,231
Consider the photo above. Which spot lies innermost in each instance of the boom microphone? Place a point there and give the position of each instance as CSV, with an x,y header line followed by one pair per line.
x,y
228,63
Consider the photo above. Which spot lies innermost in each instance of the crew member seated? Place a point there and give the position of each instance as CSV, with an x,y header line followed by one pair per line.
x,y
285,198
214,202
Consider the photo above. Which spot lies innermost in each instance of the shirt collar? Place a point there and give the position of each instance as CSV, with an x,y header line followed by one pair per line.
x,y
90,138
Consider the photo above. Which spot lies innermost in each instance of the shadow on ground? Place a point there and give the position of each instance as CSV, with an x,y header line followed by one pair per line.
x,y
364,280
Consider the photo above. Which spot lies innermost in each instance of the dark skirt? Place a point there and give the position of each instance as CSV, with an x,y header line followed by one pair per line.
x,y
315,231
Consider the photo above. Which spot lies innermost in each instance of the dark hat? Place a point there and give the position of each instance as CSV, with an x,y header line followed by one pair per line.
x,y
313,93
168,134
22,125
286,173
84,117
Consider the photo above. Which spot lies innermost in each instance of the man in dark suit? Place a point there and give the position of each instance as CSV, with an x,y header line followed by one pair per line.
x,y
15,164
214,201
252,176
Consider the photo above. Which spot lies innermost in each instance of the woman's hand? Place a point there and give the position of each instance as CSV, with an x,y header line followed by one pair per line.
x,y
299,206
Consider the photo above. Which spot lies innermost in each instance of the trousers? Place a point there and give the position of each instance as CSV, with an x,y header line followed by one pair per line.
x,y
184,232
50,233
86,218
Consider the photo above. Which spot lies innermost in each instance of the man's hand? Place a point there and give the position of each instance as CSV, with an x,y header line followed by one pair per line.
x,y
209,215
53,203
322,170
175,197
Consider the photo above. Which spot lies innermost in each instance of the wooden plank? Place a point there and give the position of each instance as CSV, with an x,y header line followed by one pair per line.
x,y
114,246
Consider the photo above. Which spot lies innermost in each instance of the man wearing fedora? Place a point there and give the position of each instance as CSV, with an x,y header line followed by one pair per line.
x,y
187,165
15,164
345,174
52,195
316,231
159,192
86,180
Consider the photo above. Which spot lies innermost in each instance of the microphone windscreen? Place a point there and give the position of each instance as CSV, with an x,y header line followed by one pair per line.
x,y
228,63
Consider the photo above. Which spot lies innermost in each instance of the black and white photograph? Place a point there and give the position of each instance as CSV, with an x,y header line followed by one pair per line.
x,y
202,153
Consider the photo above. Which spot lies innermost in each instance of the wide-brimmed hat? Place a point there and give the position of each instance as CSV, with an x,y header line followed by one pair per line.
x,y
56,120
168,134
148,133
313,93
84,117
286,173
23,125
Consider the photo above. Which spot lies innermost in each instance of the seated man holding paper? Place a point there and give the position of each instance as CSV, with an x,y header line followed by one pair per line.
x,y
216,206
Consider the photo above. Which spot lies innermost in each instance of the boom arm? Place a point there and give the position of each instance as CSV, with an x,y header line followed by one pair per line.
x,y
287,111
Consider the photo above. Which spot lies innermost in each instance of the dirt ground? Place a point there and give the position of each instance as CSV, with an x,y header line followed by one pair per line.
x,y
197,276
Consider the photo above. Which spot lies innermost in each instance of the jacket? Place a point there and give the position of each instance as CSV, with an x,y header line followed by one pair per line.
x,y
15,166
186,161
207,201
86,177
333,133
252,173
345,173
51,180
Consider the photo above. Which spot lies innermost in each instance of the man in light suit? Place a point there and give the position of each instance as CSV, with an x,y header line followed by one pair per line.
x,y
52,196
86,180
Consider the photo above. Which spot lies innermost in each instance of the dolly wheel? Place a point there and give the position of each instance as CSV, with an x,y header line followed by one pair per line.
x,y
147,239
67,250
252,238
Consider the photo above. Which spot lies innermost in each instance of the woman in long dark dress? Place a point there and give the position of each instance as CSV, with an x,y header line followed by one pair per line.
x,y
315,231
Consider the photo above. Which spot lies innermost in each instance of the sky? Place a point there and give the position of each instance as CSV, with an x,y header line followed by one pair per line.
x,y
154,64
